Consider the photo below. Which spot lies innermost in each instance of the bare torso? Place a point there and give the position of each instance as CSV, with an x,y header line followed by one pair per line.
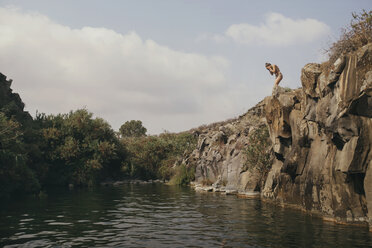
x,y
276,70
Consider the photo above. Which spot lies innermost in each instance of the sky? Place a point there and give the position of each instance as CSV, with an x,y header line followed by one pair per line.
x,y
172,64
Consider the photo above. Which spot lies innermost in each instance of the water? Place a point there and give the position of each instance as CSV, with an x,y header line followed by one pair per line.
x,y
164,216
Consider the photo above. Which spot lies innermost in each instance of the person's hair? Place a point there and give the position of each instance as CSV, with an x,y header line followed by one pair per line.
x,y
267,64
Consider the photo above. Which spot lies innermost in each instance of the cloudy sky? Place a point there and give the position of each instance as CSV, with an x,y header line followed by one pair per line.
x,y
172,64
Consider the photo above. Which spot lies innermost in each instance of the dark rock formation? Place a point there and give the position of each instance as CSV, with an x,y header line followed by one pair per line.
x,y
220,156
11,103
322,135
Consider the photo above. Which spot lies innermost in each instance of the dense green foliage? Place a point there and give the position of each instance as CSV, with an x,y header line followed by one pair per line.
x,y
182,175
154,156
16,144
78,148
258,154
132,129
15,175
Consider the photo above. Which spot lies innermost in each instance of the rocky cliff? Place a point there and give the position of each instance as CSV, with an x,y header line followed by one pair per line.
x,y
10,103
321,137
220,157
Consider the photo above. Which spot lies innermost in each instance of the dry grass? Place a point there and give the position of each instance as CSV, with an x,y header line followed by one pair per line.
x,y
215,125
356,35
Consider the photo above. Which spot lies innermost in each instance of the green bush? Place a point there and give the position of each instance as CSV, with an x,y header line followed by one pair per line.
x,y
15,175
182,175
145,155
79,149
287,89
132,129
153,157
258,150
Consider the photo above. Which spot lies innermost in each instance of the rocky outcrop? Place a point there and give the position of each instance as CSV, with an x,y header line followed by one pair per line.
x,y
220,156
322,140
11,104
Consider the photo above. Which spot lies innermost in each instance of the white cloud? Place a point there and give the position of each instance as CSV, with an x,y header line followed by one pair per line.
x,y
118,77
278,30
217,38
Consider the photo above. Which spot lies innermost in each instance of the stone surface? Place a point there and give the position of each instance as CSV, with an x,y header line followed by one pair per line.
x,y
220,155
11,103
322,140
309,79
324,165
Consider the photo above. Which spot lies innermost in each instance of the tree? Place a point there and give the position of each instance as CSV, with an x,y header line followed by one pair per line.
x,y
153,157
79,149
258,151
132,129
15,175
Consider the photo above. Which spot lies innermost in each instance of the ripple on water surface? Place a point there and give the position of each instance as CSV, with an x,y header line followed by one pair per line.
x,y
164,216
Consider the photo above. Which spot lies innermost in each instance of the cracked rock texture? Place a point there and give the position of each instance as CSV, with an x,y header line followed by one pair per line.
x,y
321,140
220,154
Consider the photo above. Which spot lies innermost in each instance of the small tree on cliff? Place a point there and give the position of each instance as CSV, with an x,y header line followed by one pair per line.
x,y
132,129
354,36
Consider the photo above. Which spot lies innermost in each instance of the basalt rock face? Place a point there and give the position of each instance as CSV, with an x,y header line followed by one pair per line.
x,y
220,157
11,103
322,140
321,137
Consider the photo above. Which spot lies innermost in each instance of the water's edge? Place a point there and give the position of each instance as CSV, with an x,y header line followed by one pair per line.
x,y
282,204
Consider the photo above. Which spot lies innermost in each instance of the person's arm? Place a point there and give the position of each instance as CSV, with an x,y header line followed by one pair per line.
x,y
271,70
274,70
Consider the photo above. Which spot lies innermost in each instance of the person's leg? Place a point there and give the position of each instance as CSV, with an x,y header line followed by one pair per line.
x,y
278,79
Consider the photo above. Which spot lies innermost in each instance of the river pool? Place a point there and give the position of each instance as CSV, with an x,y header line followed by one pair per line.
x,y
157,215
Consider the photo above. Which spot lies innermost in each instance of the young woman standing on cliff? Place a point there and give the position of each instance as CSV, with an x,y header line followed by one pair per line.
x,y
274,69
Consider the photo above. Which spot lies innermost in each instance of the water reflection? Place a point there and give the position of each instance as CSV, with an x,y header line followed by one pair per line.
x,y
164,216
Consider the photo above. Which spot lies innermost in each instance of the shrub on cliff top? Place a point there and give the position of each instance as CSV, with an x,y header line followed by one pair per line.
x,y
354,36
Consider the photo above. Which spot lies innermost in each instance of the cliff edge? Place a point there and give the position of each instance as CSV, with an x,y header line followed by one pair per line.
x,y
322,140
321,144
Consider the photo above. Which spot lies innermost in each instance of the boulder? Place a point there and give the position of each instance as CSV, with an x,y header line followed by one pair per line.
x,y
309,77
